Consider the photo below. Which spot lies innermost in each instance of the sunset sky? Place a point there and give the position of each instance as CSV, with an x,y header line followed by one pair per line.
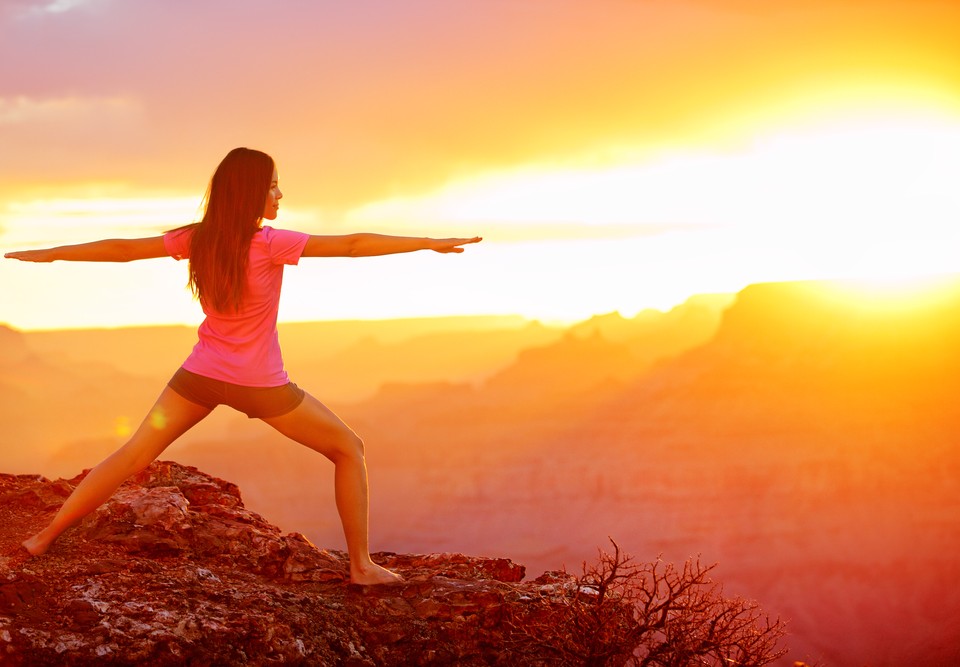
x,y
614,154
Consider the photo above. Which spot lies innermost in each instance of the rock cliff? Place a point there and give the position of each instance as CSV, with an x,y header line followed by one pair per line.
x,y
174,570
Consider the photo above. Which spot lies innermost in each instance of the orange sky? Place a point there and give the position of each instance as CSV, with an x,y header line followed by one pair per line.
x,y
615,154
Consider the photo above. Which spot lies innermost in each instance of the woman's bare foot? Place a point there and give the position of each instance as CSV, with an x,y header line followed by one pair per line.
x,y
372,574
36,545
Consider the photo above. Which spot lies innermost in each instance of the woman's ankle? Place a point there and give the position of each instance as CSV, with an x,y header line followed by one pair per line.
x,y
37,544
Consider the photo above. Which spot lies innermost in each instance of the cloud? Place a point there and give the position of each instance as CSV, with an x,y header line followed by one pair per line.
x,y
21,110
60,6
39,7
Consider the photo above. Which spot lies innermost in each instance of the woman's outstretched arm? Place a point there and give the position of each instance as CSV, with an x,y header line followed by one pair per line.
x,y
370,245
107,250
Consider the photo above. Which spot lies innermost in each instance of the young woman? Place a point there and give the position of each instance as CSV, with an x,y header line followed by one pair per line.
x,y
236,269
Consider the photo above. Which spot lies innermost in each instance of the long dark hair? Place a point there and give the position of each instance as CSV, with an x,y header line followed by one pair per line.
x,y
233,211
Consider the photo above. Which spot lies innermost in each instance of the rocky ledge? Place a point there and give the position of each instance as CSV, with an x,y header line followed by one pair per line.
x,y
173,570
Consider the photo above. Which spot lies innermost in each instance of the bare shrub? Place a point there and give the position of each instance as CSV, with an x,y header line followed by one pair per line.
x,y
619,612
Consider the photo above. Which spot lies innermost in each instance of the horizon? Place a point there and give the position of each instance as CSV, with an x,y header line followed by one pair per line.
x,y
877,295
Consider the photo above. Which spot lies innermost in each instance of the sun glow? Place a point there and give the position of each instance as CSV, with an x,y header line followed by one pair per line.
x,y
869,197
897,294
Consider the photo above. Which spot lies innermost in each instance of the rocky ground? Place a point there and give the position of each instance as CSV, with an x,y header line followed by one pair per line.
x,y
173,570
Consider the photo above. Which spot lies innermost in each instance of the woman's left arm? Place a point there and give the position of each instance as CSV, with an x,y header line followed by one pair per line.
x,y
371,245
107,250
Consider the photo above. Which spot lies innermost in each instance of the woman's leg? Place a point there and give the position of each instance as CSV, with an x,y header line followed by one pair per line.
x,y
314,425
171,416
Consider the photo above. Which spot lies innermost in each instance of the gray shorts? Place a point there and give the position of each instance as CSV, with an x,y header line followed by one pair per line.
x,y
255,402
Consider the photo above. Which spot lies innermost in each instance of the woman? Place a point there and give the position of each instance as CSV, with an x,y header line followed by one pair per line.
x,y
236,269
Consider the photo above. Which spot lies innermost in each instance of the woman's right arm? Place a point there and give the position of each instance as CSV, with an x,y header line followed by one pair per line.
x,y
107,250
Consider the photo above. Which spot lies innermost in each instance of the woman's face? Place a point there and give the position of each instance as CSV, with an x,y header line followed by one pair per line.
x,y
273,198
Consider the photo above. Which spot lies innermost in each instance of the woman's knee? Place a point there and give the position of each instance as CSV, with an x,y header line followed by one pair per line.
x,y
349,444
355,444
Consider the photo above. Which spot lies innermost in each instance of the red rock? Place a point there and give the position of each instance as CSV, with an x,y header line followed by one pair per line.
x,y
174,570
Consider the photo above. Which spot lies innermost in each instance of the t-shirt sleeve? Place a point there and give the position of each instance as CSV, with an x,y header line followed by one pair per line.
x,y
286,246
177,243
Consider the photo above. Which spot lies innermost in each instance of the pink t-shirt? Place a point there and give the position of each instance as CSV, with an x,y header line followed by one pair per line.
x,y
244,347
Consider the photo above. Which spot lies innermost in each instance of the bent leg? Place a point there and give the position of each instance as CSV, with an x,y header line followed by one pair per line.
x,y
316,426
171,416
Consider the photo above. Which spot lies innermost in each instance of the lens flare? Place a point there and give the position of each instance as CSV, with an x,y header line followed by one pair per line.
x,y
158,419
121,427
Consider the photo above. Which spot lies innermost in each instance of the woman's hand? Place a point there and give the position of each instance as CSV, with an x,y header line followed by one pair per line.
x,y
451,245
41,255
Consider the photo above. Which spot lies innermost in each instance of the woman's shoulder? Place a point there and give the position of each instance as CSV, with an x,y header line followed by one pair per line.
x,y
269,234
283,245
267,230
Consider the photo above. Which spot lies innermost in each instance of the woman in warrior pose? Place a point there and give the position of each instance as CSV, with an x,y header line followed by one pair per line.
x,y
236,269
